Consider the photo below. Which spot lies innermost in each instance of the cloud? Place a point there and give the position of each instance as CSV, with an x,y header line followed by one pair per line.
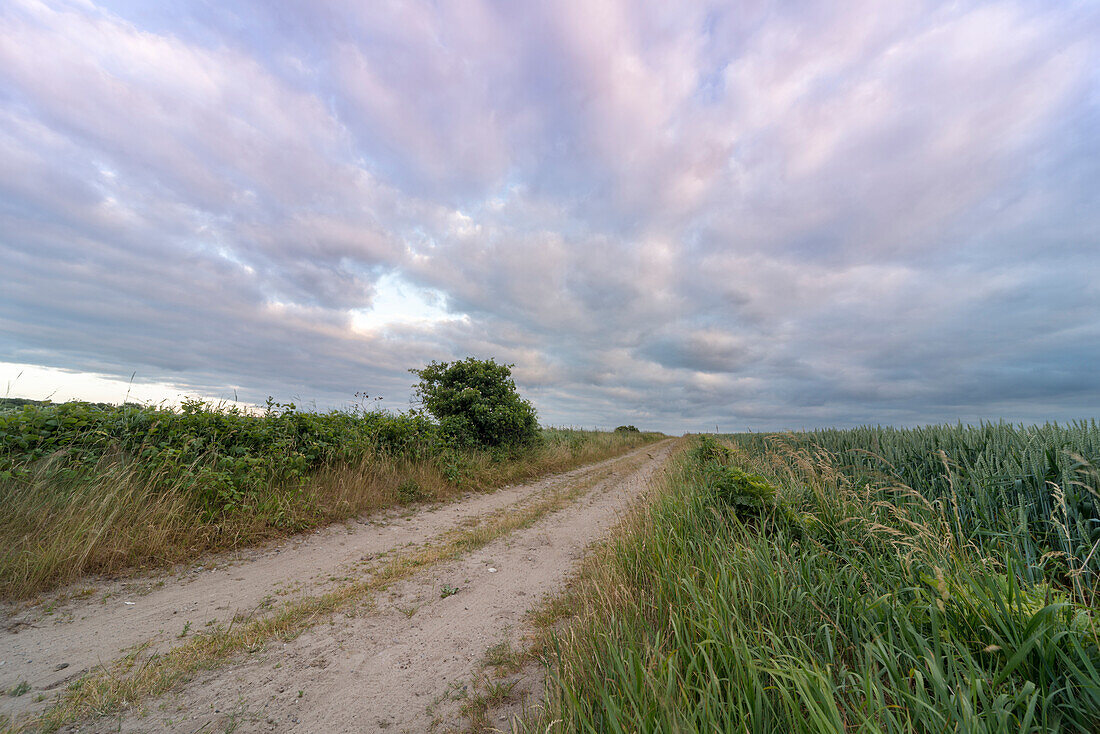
x,y
779,216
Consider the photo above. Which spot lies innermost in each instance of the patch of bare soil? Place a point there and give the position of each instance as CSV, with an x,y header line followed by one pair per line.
x,y
400,667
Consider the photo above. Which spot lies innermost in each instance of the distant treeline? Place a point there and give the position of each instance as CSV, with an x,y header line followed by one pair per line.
x,y
7,403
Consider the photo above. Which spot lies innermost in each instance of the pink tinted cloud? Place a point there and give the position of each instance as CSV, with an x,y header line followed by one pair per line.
x,y
711,205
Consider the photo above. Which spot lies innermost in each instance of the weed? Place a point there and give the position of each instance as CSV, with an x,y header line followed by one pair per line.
x,y
504,658
489,694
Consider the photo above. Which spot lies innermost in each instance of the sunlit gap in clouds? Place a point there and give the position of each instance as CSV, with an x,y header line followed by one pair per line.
x,y
398,302
35,382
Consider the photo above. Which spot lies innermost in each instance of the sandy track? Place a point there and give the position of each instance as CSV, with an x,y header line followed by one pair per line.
x,y
389,671
83,633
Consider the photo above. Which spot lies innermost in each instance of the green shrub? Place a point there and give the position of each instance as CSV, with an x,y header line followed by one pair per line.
x,y
707,450
746,494
476,403
627,429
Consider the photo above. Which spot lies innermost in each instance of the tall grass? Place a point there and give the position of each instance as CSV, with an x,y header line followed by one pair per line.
x,y
828,604
120,488
1032,492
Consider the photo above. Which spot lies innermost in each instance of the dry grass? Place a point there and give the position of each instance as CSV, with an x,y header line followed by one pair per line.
x,y
55,530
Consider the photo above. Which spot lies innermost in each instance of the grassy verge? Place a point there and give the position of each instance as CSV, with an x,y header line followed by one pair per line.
x,y
98,489
770,591
127,682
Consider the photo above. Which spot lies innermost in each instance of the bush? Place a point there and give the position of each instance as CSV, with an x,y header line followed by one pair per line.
x,y
627,429
745,494
709,451
476,403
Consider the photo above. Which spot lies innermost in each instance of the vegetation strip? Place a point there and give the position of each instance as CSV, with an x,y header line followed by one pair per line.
x,y
503,665
95,488
133,679
779,587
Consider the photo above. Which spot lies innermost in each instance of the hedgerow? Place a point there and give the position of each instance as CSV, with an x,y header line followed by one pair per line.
x,y
222,453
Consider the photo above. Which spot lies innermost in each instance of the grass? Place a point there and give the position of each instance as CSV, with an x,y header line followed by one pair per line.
x,y
19,689
113,514
845,602
494,686
1032,492
503,665
487,694
503,658
127,682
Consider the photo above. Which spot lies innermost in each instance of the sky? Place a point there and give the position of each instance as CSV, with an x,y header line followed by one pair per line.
x,y
748,215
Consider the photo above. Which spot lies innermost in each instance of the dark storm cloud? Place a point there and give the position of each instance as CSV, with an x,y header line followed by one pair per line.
x,y
774,216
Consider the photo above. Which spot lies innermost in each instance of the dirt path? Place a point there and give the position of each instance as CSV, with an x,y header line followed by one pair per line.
x,y
49,646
